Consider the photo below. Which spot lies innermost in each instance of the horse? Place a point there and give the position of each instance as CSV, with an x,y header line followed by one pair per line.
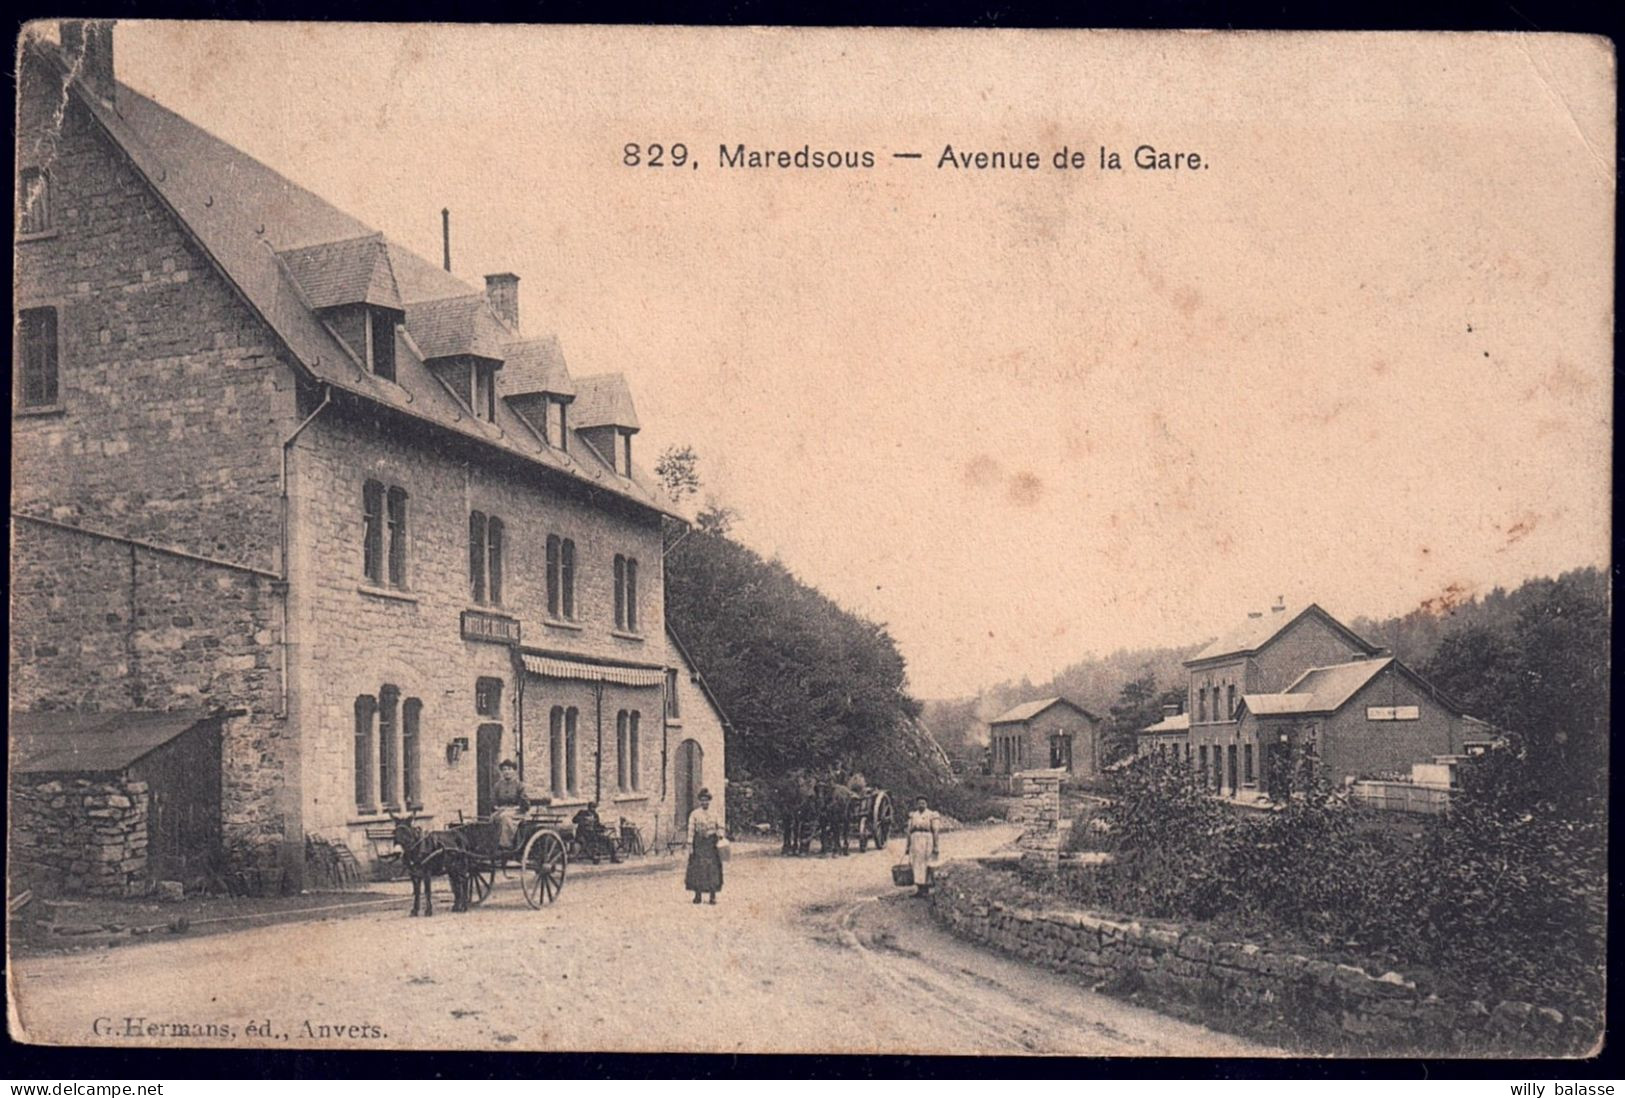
x,y
834,818
426,854
797,809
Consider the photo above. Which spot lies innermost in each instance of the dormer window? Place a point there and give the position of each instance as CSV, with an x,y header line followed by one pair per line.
x,y
381,343
558,419
623,455
483,391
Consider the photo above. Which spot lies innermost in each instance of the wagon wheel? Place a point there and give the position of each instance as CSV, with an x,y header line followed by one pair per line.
x,y
883,820
482,876
541,868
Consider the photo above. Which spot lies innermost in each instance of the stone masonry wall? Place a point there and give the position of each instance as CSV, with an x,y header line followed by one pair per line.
x,y
99,625
173,394
1287,999
352,636
1039,814
78,835
173,399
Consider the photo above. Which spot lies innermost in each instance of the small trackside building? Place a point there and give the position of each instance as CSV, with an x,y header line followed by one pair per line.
x,y
1050,733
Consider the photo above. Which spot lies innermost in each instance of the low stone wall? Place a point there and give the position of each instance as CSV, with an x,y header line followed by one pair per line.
x,y
1300,1002
76,835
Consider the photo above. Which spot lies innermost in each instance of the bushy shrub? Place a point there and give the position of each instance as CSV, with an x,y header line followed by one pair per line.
x,y
1503,898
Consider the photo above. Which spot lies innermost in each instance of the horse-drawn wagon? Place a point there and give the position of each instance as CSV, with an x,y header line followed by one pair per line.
x,y
538,857
870,818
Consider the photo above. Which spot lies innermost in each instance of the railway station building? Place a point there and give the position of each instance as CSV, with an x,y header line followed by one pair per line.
x,y
338,505
1287,680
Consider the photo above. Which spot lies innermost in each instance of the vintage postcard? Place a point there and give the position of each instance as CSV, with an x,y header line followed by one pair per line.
x,y
770,540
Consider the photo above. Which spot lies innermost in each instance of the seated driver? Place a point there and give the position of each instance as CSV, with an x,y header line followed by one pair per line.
x,y
510,801
592,834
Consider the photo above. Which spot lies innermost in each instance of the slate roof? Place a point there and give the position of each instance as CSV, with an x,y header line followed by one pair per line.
x,y
463,325
1026,711
1319,689
1255,633
92,743
603,400
345,272
243,214
1179,722
536,366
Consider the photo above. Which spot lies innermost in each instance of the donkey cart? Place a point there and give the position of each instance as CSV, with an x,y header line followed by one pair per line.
x,y
871,819
537,856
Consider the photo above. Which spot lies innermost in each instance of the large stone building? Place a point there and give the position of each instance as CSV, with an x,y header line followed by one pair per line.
x,y
1286,681
268,462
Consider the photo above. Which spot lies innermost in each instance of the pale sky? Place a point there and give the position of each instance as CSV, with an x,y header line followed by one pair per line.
x,y
1021,418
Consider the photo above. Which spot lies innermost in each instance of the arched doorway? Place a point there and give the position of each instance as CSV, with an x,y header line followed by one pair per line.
x,y
689,778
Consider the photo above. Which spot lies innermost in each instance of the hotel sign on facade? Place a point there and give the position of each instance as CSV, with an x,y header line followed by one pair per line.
x,y
479,625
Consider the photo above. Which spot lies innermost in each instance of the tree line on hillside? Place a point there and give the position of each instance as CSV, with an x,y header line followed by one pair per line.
x,y
1532,658
805,684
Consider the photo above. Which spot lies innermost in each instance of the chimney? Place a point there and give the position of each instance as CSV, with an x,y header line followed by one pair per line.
x,y
445,238
87,45
502,291
1280,605
1255,613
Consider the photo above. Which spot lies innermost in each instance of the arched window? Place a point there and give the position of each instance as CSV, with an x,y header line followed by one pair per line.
x,y
412,750
493,546
397,536
634,783
561,577
570,768
389,747
620,744
372,531
1201,704
1230,702
567,579
555,750
476,555
365,709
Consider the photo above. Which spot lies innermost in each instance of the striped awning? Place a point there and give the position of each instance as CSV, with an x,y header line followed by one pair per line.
x,y
552,667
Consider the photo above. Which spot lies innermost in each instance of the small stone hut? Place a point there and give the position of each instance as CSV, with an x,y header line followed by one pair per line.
x,y
103,804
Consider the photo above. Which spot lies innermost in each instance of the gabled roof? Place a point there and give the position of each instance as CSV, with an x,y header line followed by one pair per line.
x,y
603,400
1028,710
1255,634
1179,722
1318,690
699,677
242,214
345,272
536,366
92,743
447,326
1322,690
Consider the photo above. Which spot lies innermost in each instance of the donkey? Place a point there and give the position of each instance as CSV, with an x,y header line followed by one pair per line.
x,y
426,855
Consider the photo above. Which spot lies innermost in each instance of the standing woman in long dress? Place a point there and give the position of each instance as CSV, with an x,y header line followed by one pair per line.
x,y
704,859
922,843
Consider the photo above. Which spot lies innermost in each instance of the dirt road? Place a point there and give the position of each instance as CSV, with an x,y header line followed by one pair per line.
x,y
802,955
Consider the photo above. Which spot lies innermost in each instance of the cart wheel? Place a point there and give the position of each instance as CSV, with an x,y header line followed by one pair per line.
x,y
883,820
541,868
481,879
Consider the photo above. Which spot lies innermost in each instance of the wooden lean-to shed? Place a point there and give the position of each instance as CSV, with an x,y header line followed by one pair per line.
x,y
106,803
